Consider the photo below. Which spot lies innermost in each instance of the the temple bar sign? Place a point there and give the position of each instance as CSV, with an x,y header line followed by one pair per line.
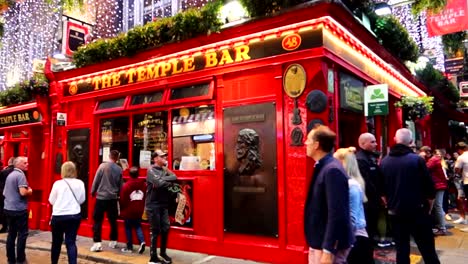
x,y
198,61
376,100
20,118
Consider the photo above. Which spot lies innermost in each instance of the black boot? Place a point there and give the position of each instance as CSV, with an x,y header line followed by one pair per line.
x,y
154,259
164,257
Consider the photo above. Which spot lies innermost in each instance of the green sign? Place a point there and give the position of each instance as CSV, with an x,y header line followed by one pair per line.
x,y
376,100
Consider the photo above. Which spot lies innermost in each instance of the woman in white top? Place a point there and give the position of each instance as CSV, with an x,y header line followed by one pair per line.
x,y
66,197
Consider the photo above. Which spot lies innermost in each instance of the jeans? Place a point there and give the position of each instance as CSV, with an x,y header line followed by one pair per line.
x,y
418,224
438,210
159,223
17,228
68,225
101,207
129,225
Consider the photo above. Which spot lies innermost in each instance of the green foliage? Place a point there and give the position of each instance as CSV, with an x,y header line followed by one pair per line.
x,y
416,107
25,91
434,6
67,4
182,26
453,43
436,81
259,8
395,38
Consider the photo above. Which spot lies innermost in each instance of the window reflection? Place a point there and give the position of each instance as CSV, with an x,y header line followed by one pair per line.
x,y
114,135
193,138
149,134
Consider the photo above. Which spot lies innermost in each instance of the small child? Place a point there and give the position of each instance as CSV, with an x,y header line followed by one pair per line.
x,y
132,203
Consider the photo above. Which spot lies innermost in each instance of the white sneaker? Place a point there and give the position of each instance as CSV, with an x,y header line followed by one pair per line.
x,y
460,221
448,217
113,244
97,247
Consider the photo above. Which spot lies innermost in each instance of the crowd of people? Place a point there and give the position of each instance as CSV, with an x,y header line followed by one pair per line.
x,y
113,198
354,189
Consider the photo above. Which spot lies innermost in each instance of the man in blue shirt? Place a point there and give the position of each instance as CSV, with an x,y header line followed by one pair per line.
x,y
16,210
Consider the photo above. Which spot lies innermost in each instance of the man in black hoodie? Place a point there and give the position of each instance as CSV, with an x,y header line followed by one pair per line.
x,y
158,181
409,191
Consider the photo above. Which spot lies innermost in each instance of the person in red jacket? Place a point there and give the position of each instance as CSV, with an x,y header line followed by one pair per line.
x,y
132,204
434,164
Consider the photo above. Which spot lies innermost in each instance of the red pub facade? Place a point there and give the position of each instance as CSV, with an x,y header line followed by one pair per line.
x,y
232,110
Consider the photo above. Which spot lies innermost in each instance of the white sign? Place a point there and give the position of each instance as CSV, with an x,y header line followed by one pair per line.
x,y
61,119
376,100
145,159
105,154
463,89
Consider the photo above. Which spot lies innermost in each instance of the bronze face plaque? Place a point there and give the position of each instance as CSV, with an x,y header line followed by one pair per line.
x,y
294,80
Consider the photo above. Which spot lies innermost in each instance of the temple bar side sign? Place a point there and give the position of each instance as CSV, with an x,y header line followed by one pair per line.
x,y
376,100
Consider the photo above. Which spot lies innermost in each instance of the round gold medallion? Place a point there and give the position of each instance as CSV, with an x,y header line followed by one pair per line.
x,y
294,80
184,112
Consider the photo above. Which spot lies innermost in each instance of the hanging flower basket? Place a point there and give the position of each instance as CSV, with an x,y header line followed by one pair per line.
x,y
415,108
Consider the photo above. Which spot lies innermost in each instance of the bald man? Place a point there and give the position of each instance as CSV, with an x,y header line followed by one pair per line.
x,y
409,191
370,171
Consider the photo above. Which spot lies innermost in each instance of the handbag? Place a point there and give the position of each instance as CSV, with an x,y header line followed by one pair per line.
x,y
74,196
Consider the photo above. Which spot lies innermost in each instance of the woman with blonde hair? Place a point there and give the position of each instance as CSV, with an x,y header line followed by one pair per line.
x,y
66,197
362,251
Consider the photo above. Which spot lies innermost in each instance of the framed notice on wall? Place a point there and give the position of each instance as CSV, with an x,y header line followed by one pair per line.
x,y
351,93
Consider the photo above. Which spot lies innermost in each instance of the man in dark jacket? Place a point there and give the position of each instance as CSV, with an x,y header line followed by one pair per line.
x,y
410,192
371,174
158,181
3,176
327,222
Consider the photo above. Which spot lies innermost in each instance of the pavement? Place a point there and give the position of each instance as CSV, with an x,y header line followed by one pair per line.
x,y
452,248
39,242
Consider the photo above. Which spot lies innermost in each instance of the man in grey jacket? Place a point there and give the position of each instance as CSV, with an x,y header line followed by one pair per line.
x,y
158,196
106,187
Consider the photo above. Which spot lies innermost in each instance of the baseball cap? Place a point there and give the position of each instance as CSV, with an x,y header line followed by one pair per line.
x,y
158,153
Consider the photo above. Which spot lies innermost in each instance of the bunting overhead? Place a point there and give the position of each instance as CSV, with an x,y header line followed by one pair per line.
x,y
453,18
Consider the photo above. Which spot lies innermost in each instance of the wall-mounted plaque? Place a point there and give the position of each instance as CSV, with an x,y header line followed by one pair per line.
x,y
316,101
294,80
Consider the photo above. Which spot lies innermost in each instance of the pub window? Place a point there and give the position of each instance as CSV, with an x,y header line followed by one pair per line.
x,y
193,138
143,99
200,91
149,134
111,104
114,136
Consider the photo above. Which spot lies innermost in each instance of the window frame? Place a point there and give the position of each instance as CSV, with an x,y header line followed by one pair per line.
x,y
208,96
113,109
149,105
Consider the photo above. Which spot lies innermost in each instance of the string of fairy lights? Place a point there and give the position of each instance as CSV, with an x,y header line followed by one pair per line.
x,y
32,27
29,33
431,47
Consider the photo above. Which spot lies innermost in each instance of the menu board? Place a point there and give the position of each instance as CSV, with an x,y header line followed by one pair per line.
x,y
149,134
